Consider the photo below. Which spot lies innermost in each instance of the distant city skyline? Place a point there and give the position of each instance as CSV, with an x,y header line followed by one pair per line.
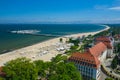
x,y
60,11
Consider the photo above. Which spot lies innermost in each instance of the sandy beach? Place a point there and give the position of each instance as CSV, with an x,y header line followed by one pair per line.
x,y
43,50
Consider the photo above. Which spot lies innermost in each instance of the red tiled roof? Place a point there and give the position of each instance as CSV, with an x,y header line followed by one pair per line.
x,y
85,57
109,46
90,56
98,49
103,38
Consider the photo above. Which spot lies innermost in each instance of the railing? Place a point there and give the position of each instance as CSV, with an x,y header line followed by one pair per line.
x,y
109,73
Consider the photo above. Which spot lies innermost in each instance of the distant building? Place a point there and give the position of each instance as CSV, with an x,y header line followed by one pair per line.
x,y
117,39
117,36
89,62
109,42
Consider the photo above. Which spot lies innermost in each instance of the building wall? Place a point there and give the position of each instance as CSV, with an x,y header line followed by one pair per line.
x,y
103,56
98,73
112,41
89,73
109,52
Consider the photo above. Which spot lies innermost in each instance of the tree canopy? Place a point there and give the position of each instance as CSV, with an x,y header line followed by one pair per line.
x,y
114,62
108,79
1,78
20,69
61,40
75,42
57,69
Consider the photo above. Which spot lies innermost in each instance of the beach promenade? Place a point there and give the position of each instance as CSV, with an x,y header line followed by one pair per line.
x,y
42,51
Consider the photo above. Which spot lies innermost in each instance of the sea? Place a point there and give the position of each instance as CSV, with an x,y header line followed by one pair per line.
x,y
10,41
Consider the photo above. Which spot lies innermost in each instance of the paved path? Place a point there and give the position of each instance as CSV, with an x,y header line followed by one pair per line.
x,y
107,64
103,75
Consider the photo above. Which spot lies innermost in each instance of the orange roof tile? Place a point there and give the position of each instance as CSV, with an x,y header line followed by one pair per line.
x,y
85,57
90,56
109,46
103,38
98,49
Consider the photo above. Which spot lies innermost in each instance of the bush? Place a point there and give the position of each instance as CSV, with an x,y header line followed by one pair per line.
x,y
108,79
114,62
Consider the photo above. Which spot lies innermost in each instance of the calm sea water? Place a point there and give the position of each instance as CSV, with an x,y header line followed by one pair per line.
x,y
10,41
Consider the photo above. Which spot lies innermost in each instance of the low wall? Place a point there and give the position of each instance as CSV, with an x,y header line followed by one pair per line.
x,y
110,73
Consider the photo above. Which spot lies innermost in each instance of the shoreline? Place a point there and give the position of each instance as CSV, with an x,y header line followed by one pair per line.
x,y
92,33
34,51
10,50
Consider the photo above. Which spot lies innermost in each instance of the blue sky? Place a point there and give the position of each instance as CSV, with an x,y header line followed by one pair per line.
x,y
65,11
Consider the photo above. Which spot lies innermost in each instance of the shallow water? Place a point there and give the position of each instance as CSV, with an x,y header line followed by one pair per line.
x,y
10,41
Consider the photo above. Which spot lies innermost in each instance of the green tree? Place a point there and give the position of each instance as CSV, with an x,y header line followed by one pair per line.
x,y
1,78
60,69
61,40
65,71
108,79
59,58
74,47
118,48
20,69
53,77
41,67
75,42
73,72
114,62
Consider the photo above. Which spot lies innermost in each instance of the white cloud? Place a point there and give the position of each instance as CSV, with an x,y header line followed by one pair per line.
x,y
115,8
